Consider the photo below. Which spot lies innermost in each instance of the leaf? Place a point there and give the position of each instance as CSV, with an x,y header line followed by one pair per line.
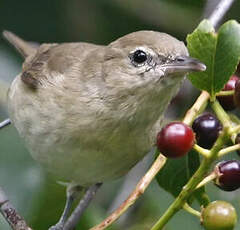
x,y
201,45
227,53
177,172
219,52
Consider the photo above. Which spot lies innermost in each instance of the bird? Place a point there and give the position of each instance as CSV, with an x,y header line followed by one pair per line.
x,y
88,113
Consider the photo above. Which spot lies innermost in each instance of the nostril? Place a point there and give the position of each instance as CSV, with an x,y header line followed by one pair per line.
x,y
180,59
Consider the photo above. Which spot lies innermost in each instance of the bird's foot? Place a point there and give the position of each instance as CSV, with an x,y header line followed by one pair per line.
x,y
58,226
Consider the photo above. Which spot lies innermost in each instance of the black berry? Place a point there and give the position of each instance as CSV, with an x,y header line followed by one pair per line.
x,y
175,139
227,102
228,172
219,215
207,128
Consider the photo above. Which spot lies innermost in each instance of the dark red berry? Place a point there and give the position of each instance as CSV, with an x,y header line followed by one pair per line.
x,y
207,128
228,172
227,102
236,95
175,139
219,215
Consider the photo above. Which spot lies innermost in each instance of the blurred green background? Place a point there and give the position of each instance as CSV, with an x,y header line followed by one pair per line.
x,y
35,194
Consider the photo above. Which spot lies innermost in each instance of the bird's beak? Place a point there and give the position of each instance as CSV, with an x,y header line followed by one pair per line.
x,y
184,64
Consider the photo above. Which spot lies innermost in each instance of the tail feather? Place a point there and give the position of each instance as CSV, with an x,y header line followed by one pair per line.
x,y
23,47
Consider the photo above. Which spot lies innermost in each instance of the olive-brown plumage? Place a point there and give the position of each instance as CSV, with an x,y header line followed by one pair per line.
x,y
89,113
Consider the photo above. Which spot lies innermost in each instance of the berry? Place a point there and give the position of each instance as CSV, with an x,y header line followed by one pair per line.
x,y
227,102
207,128
219,215
228,172
236,95
175,139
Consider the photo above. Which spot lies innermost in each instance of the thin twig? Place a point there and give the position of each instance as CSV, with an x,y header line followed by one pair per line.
x,y
84,202
10,214
190,210
130,182
227,150
137,192
219,12
225,93
199,105
5,123
207,179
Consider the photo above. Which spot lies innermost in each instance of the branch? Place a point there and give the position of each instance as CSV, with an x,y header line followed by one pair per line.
x,y
199,106
219,12
137,192
5,123
10,214
84,202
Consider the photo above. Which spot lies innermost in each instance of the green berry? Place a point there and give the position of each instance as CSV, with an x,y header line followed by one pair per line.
x,y
219,215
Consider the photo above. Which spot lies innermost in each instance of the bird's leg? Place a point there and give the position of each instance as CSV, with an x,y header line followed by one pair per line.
x,y
72,193
5,123
84,202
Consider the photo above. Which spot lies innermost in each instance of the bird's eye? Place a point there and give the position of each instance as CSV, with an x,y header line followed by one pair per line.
x,y
139,56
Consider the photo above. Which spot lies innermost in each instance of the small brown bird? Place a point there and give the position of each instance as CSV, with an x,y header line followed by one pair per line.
x,y
89,113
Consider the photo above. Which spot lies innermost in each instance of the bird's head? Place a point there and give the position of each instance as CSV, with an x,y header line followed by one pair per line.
x,y
144,57
143,71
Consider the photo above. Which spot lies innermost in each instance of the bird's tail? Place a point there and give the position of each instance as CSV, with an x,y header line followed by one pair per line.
x,y
23,47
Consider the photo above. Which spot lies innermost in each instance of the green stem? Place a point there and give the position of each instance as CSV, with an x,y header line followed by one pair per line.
x,y
235,130
190,210
192,183
207,179
228,150
224,118
202,151
225,93
221,114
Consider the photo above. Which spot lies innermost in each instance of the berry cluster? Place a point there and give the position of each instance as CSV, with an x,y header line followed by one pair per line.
x,y
176,139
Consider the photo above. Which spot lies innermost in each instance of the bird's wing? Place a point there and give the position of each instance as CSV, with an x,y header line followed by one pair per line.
x,y
53,60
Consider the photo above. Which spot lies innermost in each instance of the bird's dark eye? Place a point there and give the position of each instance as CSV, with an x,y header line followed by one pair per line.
x,y
139,56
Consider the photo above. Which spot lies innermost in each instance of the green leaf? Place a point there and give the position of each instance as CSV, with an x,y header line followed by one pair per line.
x,y
227,53
219,52
177,172
201,45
